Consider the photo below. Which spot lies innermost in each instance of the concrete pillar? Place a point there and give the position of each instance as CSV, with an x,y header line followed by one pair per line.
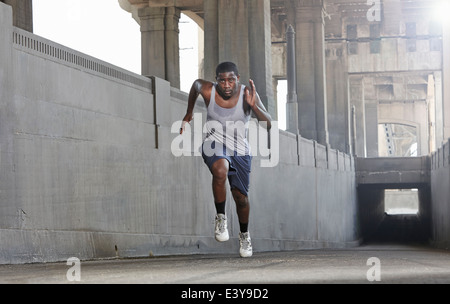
x,y
371,120
354,140
162,113
211,38
152,36
338,108
356,91
229,36
311,83
160,46
201,53
292,103
9,205
226,36
172,60
233,35
6,79
432,117
370,104
260,50
438,111
446,77
22,13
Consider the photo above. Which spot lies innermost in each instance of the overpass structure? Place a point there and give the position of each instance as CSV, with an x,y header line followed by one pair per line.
x,y
376,175
360,67
87,162
394,172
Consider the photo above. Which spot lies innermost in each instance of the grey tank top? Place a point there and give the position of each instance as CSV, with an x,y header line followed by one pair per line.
x,y
228,126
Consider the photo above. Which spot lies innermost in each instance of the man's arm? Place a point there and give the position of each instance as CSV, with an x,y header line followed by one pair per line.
x,y
196,89
256,105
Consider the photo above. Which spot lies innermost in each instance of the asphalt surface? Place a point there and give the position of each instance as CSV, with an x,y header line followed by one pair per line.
x,y
389,264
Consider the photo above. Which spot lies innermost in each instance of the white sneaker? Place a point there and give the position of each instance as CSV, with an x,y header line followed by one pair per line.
x,y
221,230
245,242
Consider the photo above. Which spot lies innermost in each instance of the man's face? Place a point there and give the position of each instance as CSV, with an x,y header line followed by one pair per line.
x,y
227,84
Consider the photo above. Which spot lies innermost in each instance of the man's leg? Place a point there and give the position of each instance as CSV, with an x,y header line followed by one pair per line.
x,y
219,170
243,211
242,208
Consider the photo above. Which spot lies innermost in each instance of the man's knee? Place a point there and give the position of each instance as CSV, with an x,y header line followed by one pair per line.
x,y
240,199
220,170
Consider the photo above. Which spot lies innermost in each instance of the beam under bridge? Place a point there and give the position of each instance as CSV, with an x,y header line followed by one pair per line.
x,y
393,172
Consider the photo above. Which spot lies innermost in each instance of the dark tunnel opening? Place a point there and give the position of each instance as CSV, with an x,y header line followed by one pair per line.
x,y
408,223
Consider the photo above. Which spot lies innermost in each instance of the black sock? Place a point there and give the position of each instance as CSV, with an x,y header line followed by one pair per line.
x,y
243,227
220,207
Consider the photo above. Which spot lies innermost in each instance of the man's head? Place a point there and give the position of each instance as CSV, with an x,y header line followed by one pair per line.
x,y
227,67
227,76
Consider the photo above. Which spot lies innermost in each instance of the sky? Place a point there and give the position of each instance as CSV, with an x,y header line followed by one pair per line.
x,y
102,29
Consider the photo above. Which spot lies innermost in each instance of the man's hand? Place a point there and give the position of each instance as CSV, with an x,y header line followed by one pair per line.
x,y
250,94
187,119
253,100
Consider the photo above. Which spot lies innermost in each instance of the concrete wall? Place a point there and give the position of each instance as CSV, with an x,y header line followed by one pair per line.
x,y
370,210
440,194
87,168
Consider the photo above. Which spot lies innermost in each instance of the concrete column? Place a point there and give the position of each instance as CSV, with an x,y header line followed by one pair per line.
x,y
438,111
211,38
432,114
370,104
353,140
22,13
291,104
371,120
152,37
356,91
227,36
260,50
163,111
338,108
446,77
9,205
233,35
6,80
160,47
311,83
172,46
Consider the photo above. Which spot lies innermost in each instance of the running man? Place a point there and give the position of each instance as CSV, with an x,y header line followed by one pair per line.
x,y
226,150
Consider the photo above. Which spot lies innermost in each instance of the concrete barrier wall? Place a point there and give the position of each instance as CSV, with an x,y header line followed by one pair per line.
x,y
440,196
87,168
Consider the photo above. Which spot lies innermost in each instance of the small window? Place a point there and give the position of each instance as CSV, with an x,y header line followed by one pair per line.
x,y
411,45
435,28
375,31
352,31
435,45
352,48
411,29
375,47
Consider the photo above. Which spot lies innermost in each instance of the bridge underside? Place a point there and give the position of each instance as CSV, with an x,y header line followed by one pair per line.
x,y
393,172
373,177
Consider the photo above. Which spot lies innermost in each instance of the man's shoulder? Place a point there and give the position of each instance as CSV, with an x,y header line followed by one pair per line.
x,y
204,82
203,85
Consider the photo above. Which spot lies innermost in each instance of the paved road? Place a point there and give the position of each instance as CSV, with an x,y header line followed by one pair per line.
x,y
393,264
